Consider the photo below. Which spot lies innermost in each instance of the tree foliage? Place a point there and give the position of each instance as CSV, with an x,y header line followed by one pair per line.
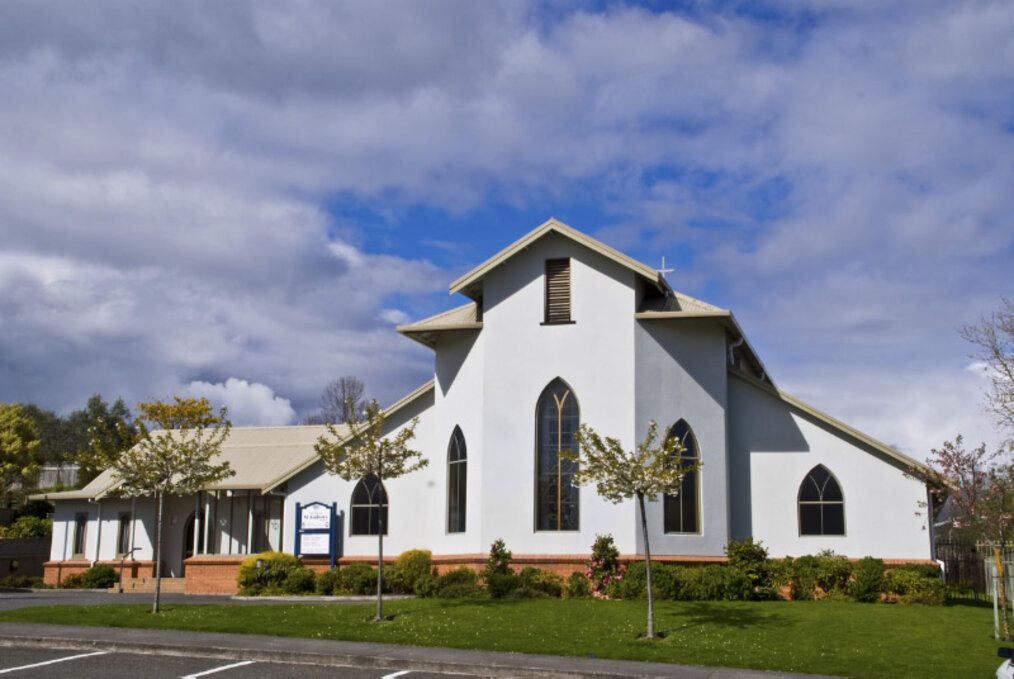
x,y
979,484
19,450
360,449
655,467
178,443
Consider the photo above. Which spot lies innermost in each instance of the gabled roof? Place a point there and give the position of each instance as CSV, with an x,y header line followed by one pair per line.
x,y
464,317
910,464
467,284
261,457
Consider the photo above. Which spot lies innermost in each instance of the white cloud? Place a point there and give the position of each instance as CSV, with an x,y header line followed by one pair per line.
x,y
248,403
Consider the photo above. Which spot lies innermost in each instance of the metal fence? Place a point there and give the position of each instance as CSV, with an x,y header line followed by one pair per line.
x,y
970,569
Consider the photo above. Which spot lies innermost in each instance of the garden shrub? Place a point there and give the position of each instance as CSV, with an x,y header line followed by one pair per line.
x,y
358,578
539,580
22,582
912,587
72,581
750,559
523,591
99,576
833,571
425,586
499,560
299,581
927,570
458,583
394,579
578,586
328,583
709,583
804,577
270,577
604,566
867,580
411,566
633,583
778,572
500,585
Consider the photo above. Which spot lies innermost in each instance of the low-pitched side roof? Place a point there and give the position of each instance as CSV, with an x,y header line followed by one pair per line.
x,y
261,457
464,317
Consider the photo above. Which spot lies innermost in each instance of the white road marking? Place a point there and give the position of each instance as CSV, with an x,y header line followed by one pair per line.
x,y
51,662
223,668
392,675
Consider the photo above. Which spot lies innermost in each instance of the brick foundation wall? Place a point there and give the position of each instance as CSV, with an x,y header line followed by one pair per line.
x,y
54,572
211,574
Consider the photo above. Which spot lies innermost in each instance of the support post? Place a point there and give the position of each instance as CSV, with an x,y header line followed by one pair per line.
x,y
98,533
133,524
208,524
197,523
249,522
299,526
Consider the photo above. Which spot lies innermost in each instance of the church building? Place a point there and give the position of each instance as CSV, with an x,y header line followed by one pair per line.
x,y
556,330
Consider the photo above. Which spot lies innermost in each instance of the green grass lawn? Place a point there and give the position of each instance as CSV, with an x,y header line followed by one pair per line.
x,y
843,638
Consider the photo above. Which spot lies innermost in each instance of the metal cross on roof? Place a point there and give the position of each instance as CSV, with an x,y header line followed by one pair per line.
x,y
664,270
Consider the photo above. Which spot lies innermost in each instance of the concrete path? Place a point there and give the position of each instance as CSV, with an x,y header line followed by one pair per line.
x,y
11,599
389,659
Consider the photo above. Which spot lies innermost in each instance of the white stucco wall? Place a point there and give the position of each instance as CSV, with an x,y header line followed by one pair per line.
x,y
773,448
594,355
681,373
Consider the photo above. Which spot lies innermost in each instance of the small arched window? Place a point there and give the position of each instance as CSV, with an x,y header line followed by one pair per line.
x,y
369,507
682,513
557,420
821,504
457,482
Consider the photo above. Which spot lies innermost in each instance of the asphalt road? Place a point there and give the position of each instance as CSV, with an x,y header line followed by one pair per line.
x,y
10,600
36,662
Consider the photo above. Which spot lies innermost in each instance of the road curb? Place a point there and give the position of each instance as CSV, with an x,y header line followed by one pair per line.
x,y
360,655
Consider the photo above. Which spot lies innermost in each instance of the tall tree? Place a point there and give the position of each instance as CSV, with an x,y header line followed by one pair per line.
x,y
110,433
178,443
365,450
19,450
993,336
980,486
656,467
59,437
340,401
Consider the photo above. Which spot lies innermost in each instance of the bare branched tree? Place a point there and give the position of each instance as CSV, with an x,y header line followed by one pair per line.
x,y
994,337
335,401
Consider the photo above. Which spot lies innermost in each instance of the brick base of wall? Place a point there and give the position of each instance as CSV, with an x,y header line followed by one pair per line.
x,y
55,572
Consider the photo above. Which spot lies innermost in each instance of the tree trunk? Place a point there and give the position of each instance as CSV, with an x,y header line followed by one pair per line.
x,y
647,568
1001,591
158,554
380,567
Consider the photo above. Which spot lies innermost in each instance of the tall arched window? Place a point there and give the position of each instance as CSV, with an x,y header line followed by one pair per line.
x,y
457,482
369,507
821,504
556,497
682,513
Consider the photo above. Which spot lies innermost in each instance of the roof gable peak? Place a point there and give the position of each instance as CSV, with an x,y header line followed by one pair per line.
x,y
468,283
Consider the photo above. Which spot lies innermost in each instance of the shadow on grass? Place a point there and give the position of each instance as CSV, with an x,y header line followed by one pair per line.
x,y
973,603
740,617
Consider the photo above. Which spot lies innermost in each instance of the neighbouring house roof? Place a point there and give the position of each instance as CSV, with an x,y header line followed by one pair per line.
x,y
910,464
261,457
468,284
464,317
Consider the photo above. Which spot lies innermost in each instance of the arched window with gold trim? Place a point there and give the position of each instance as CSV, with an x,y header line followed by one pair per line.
x,y
682,513
457,482
369,507
556,497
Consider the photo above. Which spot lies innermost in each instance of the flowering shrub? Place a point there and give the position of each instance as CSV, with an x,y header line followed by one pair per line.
x,y
604,566
499,560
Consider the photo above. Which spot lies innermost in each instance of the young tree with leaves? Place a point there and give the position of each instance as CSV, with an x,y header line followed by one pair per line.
x,y
178,443
980,486
655,468
19,450
364,450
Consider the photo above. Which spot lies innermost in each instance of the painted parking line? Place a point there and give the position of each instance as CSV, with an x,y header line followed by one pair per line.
x,y
223,668
392,675
52,662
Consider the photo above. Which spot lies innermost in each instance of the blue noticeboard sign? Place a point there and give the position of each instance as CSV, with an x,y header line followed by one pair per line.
x,y
317,530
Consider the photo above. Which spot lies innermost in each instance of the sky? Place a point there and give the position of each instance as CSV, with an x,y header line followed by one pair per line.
x,y
240,200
